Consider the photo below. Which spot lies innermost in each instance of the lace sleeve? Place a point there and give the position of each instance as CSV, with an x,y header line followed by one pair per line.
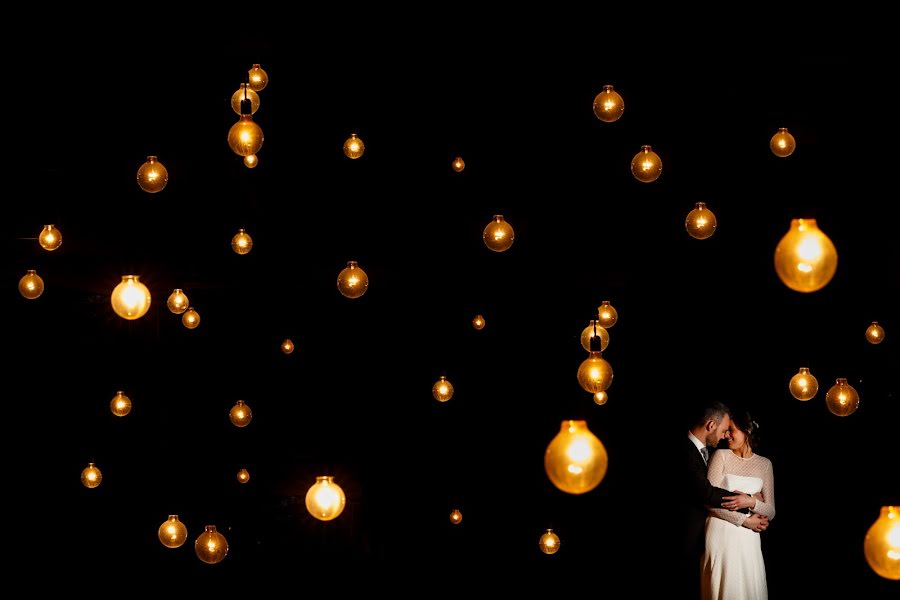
x,y
767,508
716,475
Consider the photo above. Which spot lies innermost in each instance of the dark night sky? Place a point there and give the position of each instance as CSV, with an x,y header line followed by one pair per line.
x,y
698,320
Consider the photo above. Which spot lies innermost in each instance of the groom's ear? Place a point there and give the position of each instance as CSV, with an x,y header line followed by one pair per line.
x,y
711,425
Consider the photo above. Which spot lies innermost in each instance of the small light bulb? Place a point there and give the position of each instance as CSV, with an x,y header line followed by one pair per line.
x,y
549,542
130,299
259,79
325,500
700,222
478,322
607,315
352,281
243,476
600,398
91,476
241,243
240,414
842,399
120,405
803,386
152,176
287,346
211,547
190,318
354,147
177,302
442,390
805,258
31,286
875,333
608,105
498,235
172,533
50,238
239,95
245,137
456,517
782,143
250,161
646,166
588,332
458,164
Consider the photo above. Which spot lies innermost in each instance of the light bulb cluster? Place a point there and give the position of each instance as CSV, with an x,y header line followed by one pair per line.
x,y
245,138
179,304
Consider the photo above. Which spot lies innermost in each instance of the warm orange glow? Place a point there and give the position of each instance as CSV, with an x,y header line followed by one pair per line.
x,y
458,164
245,137
600,398
549,542
120,405
803,386
588,333
243,476
608,105
177,302
646,166
456,517
131,298
882,543
190,318
478,322
239,95
91,476
50,238
211,547
576,459
325,500
354,147
442,390
172,533
241,243
240,414
258,78
700,222
782,143
842,398
875,333
352,281
287,346
251,161
607,315
595,374
152,176
498,235
805,259
31,286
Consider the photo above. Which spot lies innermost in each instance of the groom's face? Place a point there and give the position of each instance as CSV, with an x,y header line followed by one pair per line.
x,y
720,432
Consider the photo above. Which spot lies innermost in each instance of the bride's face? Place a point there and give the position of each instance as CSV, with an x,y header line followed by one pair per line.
x,y
736,437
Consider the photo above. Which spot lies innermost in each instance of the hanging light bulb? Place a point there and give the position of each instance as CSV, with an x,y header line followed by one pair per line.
x,y
803,385
478,322
456,517
600,398
875,333
91,476
243,92
549,542
498,235
606,315
575,460
352,281
700,222
354,147
594,373
442,390
190,318
805,259
172,533
287,346
131,298
594,329
178,302
882,543
842,398
245,137
152,176
31,285
325,499
782,143
608,105
458,164
646,166
241,242
120,405
259,79
240,414
211,547
250,161
50,238
243,476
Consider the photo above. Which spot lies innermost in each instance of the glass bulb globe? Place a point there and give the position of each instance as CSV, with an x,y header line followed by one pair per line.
x,y
211,547
875,333
458,164
595,374
882,543
608,105
588,332
172,533
842,398
576,459
178,302
646,166
259,79
91,476
700,222
131,298
31,285
442,390
251,161
50,238
805,259
456,517
152,176
600,398
120,405
478,322
287,346
352,281
245,137
549,542
606,315
354,147
240,414
325,500
498,235
241,242
190,318
783,143
803,385
251,95
243,476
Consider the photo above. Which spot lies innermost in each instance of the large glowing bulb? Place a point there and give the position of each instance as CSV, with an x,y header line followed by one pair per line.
x,y
120,405
478,322
259,79
287,346
50,238
842,398
803,385
172,533
241,242
700,222
91,476
458,164
456,517
244,92
352,281
595,374
646,166
190,318
354,147
325,499
31,285
243,476
250,161
875,333
131,298
782,143
245,137
805,259
549,542
607,315
588,332
575,460
211,547
882,543
178,302
240,414
442,390
498,235
152,176
608,105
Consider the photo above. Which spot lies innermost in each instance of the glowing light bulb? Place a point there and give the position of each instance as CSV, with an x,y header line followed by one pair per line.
x,y
239,95
595,374
803,385
354,147
600,398
588,332
31,285
240,414
120,405
458,164
325,500
782,143
607,315
608,105
152,176
498,235
245,137
442,390
576,459
549,542
700,222
241,242
456,517
882,543
352,281
131,298
190,318
842,398
91,476
251,161
646,166
243,476
478,322
287,346
875,333
50,238
259,79
172,533
178,302
211,547
805,259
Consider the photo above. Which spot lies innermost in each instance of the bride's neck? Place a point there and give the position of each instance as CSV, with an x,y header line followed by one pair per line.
x,y
744,451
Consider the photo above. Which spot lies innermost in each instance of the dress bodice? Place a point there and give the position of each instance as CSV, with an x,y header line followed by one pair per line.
x,y
748,485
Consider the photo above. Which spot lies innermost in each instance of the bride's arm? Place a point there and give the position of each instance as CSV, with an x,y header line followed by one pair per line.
x,y
716,475
766,504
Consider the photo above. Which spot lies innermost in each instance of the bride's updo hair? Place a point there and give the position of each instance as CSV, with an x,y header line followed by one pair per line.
x,y
743,421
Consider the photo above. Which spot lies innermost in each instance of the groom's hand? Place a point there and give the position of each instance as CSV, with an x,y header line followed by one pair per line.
x,y
738,501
